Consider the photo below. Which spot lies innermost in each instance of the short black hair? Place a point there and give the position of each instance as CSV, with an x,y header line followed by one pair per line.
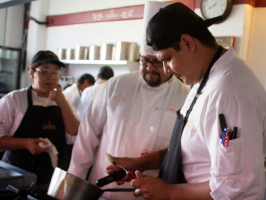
x,y
83,77
106,72
203,35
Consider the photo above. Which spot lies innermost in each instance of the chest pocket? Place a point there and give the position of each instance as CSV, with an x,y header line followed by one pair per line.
x,y
167,126
230,159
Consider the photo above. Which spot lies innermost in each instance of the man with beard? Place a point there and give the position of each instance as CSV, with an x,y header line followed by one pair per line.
x,y
131,115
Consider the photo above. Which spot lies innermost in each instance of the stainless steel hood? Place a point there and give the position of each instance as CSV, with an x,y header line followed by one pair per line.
x,y
8,3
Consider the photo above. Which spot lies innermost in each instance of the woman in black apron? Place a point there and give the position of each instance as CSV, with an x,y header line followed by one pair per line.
x,y
42,122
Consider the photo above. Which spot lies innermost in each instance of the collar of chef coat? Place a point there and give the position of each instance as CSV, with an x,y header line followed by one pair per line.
x,y
160,87
41,101
223,60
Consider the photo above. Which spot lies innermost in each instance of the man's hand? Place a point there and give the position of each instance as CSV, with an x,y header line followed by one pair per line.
x,y
33,146
151,187
130,164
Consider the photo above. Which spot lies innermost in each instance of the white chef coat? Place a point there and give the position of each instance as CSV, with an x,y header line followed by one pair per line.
x,y
13,107
126,118
235,171
87,96
73,94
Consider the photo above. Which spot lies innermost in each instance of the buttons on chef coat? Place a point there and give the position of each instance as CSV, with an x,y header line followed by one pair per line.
x,y
152,128
228,182
145,86
124,146
131,124
156,108
138,103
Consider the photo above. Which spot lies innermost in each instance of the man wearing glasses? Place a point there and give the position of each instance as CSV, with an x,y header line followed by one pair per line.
x,y
131,115
39,111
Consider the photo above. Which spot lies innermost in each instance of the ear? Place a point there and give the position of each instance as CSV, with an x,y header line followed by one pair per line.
x,y
30,73
188,42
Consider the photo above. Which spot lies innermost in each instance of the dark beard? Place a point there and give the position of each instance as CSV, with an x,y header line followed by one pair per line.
x,y
152,83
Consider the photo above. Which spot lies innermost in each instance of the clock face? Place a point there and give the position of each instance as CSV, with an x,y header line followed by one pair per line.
x,y
213,8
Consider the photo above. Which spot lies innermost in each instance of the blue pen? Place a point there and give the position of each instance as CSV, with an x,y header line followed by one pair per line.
x,y
224,132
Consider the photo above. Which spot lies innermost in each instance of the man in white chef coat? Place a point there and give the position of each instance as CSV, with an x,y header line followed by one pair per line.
x,y
105,73
131,114
73,92
206,162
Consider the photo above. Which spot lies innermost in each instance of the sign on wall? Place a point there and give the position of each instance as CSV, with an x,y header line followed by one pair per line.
x,y
114,14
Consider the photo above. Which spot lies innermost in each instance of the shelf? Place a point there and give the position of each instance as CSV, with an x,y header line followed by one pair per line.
x,y
99,62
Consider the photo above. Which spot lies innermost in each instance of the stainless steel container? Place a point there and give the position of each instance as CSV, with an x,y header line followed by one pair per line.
x,y
114,52
106,51
70,54
61,54
122,50
133,54
81,53
94,52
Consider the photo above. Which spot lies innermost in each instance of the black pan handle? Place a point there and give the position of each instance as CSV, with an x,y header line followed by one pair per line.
x,y
111,178
120,190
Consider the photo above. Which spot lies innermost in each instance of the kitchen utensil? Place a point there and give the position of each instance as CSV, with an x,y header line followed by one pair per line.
x,y
133,54
122,50
61,54
1,122
113,52
81,53
132,176
111,178
65,186
106,51
94,52
70,54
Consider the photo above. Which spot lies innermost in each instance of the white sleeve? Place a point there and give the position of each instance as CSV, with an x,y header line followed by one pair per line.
x,y
238,169
7,114
85,101
89,134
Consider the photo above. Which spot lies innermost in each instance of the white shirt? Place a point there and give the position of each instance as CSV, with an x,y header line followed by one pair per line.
x,y
87,96
236,171
72,94
126,118
13,107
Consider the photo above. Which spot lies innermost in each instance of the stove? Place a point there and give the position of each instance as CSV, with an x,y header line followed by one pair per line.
x,y
19,184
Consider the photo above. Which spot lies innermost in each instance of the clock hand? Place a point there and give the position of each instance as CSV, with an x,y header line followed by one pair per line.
x,y
212,6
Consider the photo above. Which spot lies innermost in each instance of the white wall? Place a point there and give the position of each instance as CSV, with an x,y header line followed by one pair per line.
x,y
256,53
14,26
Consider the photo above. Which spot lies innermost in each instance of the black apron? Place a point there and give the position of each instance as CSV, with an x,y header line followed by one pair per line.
x,y
44,122
171,169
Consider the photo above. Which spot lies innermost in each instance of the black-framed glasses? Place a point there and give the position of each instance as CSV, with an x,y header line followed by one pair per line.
x,y
47,71
145,62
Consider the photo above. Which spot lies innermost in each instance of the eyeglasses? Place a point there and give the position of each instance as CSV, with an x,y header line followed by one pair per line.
x,y
48,71
145,62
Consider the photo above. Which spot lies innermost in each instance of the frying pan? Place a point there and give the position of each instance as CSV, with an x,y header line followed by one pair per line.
x,y
65,186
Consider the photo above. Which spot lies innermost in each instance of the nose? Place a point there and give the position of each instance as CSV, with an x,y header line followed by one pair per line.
x,y
51,75
167,69
150,67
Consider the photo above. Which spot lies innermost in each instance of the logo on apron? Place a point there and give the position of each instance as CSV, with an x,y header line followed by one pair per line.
x,y
190,125
48,126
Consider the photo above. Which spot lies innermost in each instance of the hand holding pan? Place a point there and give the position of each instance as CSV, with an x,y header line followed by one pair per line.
x,y
65,186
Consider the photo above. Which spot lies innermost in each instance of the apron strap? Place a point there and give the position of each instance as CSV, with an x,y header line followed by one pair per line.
x,y
29,96
204,81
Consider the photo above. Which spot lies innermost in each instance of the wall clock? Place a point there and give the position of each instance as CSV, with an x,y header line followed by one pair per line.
x,y
214,8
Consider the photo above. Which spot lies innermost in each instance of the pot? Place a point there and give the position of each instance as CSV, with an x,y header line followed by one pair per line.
x,y
65,186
